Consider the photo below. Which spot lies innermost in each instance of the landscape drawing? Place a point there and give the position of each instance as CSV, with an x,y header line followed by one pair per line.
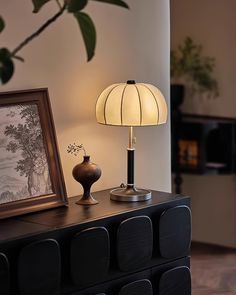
x,y
24,170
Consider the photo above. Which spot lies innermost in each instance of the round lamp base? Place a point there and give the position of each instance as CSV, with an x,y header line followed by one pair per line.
x,y
87,201
130,194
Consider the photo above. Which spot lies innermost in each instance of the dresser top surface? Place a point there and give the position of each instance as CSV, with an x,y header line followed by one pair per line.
x,y
45,221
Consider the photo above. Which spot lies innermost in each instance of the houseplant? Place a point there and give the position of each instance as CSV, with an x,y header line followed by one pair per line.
x,y
74,8
191,69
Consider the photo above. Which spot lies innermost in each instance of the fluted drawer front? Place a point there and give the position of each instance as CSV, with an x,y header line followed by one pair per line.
x,y
39,268
175,232
176,281
90,255
4,275
134,243
141,287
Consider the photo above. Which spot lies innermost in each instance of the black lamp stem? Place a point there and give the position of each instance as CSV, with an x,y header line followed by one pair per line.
x,y
130,158
130,166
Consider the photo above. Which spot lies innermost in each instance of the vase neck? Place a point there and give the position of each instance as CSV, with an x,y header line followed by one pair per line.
x,y
86,158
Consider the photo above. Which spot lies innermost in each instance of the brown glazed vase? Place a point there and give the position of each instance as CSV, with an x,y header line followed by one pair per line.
x,y
86,173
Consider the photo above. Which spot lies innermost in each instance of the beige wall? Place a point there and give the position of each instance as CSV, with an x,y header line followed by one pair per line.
x,y
131,45
214,208
212,24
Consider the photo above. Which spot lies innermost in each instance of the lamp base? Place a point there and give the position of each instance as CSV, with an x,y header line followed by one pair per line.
x,y
130,194
88,200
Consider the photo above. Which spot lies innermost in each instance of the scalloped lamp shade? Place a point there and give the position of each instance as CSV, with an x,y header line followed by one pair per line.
x,y
131,104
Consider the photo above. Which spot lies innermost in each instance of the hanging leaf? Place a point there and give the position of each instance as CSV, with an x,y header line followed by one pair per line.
x,y
2,24
6,65
76,5
38,4
115,2
88,32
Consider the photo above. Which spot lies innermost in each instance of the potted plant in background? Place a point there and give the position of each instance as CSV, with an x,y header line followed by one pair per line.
x,y
191,69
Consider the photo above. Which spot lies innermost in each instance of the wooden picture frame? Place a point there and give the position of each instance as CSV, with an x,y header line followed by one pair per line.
x,y
31,177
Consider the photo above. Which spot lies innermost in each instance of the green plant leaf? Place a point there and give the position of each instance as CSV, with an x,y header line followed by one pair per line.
x,y
6,65
38,4
76,5
2,24
88,32
195,69
115,2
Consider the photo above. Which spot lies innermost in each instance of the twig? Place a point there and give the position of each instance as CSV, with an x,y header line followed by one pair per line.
x,y
18,57
39,31
59,4
74,149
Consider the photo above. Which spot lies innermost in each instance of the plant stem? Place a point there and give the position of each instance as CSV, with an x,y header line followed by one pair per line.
x,y
84,151
18,57
39,31
59,4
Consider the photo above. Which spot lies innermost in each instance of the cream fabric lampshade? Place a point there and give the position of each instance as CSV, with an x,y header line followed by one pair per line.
x,y
131,104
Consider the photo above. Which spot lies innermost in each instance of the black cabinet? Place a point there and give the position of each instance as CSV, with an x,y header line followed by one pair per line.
x,y
205,145
111,248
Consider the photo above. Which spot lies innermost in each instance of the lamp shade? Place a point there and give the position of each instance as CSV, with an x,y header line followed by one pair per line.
x,y
131,104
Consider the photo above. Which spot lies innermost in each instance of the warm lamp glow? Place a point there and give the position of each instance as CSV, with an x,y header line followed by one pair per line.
x,y
131,104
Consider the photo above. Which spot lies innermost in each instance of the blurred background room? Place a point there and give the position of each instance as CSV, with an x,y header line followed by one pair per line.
x,y
203,44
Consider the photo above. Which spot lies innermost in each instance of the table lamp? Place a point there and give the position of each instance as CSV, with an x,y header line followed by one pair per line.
x,y
131,104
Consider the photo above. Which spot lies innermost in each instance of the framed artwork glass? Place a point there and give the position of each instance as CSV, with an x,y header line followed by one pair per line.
x,y
31,177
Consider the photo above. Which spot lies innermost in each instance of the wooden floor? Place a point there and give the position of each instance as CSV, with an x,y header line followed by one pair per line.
x,y
213,270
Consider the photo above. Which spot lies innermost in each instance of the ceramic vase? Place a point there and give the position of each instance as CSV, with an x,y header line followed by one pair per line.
x,y
86,173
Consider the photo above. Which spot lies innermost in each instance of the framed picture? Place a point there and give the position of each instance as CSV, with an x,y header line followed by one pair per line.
x,y
31,176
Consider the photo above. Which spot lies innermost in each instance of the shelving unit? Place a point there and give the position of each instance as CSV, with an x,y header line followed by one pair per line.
x,y
207,145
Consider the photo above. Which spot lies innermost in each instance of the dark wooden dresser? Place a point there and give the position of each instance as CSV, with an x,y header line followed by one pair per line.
x,y
112,248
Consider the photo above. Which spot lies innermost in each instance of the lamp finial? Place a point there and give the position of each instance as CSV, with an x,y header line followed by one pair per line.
x,y
131,82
